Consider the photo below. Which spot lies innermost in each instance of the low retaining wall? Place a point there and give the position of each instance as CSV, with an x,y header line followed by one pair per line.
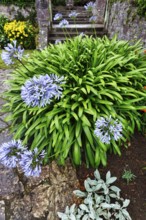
x,y
11,11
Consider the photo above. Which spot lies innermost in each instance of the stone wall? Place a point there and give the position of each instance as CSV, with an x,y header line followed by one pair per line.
x,y
43,18
124,21
11,11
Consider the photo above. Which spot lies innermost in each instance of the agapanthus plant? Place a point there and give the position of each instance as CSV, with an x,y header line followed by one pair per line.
x,y
31,162
13,154
10,153
11,53
73,14
58,41
63,23
89,6
93,19
108,129
103,77
39,91
58,17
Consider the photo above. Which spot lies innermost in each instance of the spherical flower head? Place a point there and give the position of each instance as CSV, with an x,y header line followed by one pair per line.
x,y
31,162
63,23
58,41
82,34
73,14
93,19
39,91
10,153
89,6
12,52
58,17
108,129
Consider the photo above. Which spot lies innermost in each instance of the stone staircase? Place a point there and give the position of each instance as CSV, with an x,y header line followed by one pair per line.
x,y
74,28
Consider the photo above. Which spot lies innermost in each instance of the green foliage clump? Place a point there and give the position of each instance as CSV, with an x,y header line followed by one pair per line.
x,y
101,201
22,31
58,2
20,3
141,4
3,37
103,78
128,176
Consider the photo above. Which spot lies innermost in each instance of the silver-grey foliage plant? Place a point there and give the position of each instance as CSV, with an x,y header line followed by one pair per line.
x,y
101,201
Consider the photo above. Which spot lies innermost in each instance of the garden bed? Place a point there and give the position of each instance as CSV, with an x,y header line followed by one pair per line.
x,y
134,159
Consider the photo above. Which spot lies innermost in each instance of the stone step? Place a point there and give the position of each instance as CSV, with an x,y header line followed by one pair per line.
x,y
85,21
59,34
52,39
64,12
63,8
79,16
80,27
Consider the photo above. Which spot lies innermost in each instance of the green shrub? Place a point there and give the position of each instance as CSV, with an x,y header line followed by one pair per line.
x,y
20,3
102,200
3,37
58,2
128,176
103,78
22,31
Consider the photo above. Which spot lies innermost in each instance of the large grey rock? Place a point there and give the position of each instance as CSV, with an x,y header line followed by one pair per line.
x,y
2,210
10,185
43,197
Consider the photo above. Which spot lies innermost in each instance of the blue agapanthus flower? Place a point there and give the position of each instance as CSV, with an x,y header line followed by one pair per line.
x,y
39,91
58,41
31,162
63,23
10,153
58,17
73,14
12,52
93,19
108,129
89,6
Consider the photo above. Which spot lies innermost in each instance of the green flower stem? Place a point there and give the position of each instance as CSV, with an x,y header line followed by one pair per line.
x,y
23,65
66,33
75,26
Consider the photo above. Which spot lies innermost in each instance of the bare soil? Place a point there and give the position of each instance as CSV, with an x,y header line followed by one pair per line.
x,y
134,159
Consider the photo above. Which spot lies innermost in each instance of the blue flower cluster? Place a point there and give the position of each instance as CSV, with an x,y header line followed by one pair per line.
x,y
108,129
13,154
31,162
73,14
39,91
93,19
58,41
12,52
58,17
89,6
63,23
